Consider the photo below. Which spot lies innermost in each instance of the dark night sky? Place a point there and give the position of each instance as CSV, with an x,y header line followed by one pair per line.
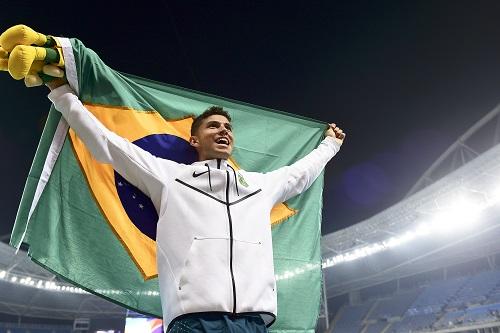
x,y
404,79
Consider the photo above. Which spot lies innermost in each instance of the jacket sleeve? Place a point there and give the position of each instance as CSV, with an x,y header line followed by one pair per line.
x,y
294,179
138,166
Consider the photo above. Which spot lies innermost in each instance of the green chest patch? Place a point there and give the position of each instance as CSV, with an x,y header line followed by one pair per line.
x,y
242,180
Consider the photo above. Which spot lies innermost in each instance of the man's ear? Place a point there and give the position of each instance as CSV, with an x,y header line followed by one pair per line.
x,y
193,141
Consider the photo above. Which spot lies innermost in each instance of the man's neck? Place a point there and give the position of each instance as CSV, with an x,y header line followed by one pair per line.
x,y
216,163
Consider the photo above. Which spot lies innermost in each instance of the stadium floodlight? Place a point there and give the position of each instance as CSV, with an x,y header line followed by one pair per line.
x,y
461,212
494,195
28,281
423,229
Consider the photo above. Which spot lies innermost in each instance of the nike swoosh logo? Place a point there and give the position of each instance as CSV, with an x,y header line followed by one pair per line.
x,y
198,174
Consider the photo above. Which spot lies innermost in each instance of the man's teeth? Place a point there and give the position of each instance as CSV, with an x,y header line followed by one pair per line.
x,y
222,141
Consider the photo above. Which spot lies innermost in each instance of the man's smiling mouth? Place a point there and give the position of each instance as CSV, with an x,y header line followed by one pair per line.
x,y
222,141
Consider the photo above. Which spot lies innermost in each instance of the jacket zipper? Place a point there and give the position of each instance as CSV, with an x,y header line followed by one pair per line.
x,y
231,242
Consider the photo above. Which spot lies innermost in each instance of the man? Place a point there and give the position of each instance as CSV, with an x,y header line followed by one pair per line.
x,y
214,246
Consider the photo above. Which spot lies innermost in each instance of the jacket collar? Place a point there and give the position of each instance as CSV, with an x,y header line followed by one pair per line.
x,y
213,164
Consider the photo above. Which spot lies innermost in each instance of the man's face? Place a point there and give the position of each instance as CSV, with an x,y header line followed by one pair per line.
x,y
213,139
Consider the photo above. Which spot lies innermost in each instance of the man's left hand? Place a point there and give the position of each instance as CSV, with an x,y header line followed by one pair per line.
x,y
336,133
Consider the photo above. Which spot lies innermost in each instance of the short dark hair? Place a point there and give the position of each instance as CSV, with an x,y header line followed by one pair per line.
x,y
213,110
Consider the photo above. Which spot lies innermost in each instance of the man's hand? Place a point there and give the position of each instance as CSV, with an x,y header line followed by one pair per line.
x,y
336,133
56,83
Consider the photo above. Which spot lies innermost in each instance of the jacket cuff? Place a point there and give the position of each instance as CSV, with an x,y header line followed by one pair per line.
x,y
57,93
332,143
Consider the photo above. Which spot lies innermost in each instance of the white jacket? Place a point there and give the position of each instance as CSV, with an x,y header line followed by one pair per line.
x,y
214,246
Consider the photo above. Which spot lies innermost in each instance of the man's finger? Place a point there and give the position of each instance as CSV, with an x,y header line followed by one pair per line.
x,y
53,70
33,80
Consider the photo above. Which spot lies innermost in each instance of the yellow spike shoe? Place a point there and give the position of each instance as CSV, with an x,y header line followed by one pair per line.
x,y
21,35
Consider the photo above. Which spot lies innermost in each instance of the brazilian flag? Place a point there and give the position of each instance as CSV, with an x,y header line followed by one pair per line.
x,y
83,221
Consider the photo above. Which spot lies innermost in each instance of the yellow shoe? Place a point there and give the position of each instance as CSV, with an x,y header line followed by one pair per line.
x,y
21,35
21,59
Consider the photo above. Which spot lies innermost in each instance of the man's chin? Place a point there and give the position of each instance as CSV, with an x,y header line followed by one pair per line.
x,y
224,155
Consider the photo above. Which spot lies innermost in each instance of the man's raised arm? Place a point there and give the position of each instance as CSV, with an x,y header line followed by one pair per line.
x,y
294,179
138,166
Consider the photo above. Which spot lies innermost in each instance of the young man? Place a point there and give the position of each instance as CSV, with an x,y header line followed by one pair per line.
x,y
214,246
